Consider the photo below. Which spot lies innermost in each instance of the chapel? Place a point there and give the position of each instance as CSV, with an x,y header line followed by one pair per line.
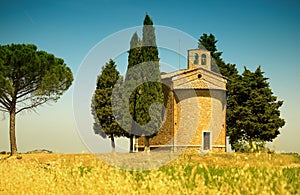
x,y
195,102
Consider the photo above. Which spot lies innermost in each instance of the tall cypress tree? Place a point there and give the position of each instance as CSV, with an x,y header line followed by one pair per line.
x,y
105,121
143,75
132,77
151,92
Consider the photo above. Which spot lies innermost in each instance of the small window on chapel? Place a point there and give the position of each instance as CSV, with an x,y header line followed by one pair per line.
x,y
196,58
203,59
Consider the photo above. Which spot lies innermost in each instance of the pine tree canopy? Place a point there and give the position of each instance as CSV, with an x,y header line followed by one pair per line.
x,y
28,79
255,115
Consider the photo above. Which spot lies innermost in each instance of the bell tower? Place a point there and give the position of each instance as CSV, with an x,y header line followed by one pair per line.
x,y
199,58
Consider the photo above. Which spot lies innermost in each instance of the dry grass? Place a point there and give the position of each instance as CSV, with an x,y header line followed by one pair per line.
x,y
188,174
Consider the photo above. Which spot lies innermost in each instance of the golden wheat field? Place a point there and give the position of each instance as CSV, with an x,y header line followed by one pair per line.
x,y
258,173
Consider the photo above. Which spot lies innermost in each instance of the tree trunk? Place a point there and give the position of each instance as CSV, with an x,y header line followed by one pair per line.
x,y
113,145
12,131
133,126
147,145
131,150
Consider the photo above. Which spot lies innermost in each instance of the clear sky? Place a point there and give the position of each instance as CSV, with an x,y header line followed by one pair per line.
x,y
250,33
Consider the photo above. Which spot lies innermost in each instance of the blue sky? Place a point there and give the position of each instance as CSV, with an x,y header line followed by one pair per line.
x,y
250,33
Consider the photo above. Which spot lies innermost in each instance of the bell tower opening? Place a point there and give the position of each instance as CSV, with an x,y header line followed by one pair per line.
x,y
203,59
196,59
199,58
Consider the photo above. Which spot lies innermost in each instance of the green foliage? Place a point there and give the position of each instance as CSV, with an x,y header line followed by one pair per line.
x,y
252,115
255,145
29,77
230,180
83,170
256,117
143,67
133,79
150,92
209,43
105,122
292,176
96,125
218,65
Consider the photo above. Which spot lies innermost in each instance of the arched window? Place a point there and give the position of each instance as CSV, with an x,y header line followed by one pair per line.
x,y
203,59
196,58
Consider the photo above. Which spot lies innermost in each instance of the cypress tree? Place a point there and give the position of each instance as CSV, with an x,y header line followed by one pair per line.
x,y
143,75
105,122
151,92
131,79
